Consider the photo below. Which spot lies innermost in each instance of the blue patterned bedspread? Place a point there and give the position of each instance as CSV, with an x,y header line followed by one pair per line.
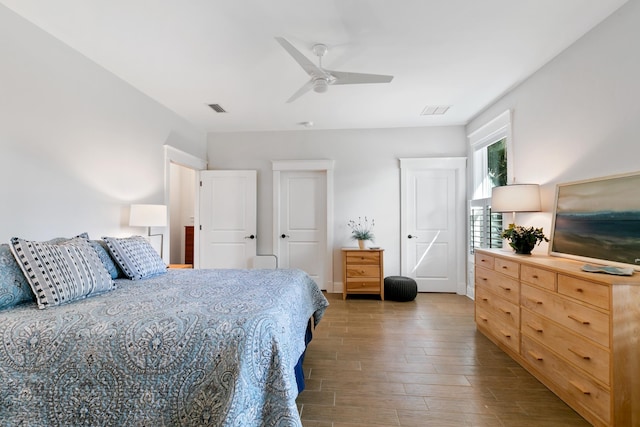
x,y
188,348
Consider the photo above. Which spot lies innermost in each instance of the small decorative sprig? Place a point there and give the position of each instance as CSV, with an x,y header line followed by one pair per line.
x,y
361,230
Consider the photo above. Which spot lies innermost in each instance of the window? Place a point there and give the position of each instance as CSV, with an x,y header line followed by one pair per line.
x,y
490,156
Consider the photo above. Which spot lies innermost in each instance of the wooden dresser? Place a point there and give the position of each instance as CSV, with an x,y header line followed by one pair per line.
x,y
188,244
577,332
362,272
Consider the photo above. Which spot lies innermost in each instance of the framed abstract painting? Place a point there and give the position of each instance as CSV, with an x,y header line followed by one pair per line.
x,y
598,220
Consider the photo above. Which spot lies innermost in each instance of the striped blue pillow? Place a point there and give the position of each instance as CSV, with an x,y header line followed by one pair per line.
x,y
136,257
61,273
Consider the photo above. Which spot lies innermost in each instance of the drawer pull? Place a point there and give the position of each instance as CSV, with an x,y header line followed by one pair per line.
x,y
504,267
535,276
484,319
535,328
505,288
506,334
579,387
580,290
504,311
577,353
535,301
485,299
535,356
577,319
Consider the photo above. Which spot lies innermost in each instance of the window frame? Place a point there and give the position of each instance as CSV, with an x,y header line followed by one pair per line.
x,y
490,133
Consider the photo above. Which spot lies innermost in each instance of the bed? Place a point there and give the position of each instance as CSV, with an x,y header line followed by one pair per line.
x,y
186,347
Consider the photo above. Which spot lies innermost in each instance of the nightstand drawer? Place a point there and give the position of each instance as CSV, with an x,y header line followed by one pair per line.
x,y
585,391
363,257
583,320
507,287
539,277
363,285
363,271
509,268
584,290
581,352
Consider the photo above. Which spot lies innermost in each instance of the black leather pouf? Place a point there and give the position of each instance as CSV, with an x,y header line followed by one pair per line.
x,y
400,288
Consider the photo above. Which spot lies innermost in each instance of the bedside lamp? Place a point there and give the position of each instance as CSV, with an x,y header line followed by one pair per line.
x,y
149,216
515,198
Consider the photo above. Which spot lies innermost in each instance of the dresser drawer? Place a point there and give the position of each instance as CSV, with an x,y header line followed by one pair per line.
x,y
583,290
506,287
579,351
363,258
509,268
363,285
506,311
485,261
363,271
505,333
539,277
585,321
590,395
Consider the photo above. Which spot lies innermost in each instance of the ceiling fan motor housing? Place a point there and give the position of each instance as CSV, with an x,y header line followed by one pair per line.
x,y
320,85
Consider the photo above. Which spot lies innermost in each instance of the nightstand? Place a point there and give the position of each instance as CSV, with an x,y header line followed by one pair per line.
x,y
362,272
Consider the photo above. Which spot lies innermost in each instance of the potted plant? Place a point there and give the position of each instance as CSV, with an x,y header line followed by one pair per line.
x,y
361,230
523,239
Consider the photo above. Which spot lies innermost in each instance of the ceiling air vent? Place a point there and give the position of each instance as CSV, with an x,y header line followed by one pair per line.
x,y
435,110
217,108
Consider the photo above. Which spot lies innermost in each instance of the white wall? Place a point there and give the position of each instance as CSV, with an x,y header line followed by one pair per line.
x,y
367,174
579,116
77,144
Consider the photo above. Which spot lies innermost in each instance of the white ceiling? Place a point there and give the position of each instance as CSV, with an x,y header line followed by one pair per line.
x,y
189,53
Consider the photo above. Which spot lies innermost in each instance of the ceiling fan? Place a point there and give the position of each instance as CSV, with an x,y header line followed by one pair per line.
x,y
321,78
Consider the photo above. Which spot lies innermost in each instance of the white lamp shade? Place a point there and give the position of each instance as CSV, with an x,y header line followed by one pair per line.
x,y
148,216
516,198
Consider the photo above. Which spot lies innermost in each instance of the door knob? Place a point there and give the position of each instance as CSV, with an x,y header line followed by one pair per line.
x,y
284,236
412,237
250,237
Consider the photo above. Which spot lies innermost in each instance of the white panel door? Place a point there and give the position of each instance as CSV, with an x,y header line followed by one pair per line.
x,y
228,210
302,225
432,227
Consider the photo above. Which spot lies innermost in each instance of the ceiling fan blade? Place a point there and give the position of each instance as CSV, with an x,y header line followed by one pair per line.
x,y
344,78
305,63
304,89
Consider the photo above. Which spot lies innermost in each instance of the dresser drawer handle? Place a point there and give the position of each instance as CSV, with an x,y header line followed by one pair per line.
x,y
577,319
577,353
484,319
504,288
535,328
535,301
504,267
505,311
579,290
535,356
506,334
535,276
579,387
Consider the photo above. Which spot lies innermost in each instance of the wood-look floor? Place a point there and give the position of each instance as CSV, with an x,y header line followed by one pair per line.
x,y
419,363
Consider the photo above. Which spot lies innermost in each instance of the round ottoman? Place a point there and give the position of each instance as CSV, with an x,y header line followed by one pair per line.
x,y
400,288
